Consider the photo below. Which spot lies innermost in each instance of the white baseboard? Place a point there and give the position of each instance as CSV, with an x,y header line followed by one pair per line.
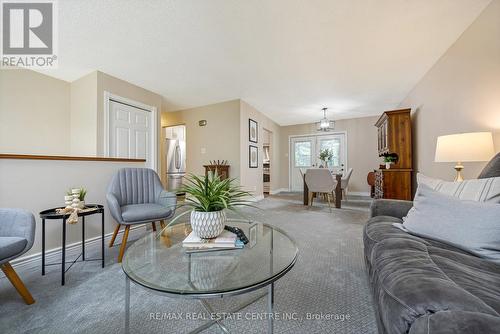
x,y
54,255
358,193
277,191
258,198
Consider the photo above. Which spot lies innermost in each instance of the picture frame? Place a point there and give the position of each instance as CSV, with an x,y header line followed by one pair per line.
x,y
253,156
253,131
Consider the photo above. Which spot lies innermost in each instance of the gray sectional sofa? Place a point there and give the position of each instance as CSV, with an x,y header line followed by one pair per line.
x,y
423,286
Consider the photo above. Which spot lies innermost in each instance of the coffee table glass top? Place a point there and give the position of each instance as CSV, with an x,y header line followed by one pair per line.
x,y
159,262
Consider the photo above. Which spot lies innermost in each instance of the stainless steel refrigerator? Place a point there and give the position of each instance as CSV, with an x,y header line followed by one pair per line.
x,y
175,160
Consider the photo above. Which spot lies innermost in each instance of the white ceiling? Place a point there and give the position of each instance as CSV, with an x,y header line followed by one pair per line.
x,y
288,58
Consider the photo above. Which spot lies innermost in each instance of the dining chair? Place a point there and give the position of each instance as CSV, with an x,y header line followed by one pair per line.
x,y
17,233
136,196
320,181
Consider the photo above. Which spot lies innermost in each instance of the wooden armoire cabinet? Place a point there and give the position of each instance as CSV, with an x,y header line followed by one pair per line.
x,y
394,138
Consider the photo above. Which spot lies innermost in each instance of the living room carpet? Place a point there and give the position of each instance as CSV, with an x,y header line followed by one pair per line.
x,y
326,292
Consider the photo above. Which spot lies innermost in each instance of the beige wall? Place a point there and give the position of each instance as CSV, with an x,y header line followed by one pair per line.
x,y
461,93
220,138
68,116
251,178
362,153
34,113
84,115
36,185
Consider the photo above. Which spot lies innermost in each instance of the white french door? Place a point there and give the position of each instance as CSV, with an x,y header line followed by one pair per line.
x,y
129,132
304,153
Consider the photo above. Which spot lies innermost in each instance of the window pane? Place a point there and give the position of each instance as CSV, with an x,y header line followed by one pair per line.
x,y
334,146
302,152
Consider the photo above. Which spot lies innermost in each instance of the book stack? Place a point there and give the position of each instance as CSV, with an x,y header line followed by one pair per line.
x,y
226,240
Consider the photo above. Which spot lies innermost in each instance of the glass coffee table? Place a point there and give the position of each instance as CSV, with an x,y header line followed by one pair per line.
x,y
159,263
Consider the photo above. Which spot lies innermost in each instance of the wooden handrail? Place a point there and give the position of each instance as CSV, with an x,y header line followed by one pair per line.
x,y
65,157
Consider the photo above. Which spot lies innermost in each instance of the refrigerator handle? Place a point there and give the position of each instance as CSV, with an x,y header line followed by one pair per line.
x,y
177,157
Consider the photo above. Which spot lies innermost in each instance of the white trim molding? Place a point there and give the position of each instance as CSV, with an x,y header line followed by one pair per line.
x,y
358,193
277,191
108,97
34,261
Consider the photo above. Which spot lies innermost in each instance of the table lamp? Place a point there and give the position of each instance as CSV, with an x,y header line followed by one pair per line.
x,y
464,147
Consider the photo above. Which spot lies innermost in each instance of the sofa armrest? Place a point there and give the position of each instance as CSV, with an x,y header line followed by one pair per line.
x,y
390,207
114,207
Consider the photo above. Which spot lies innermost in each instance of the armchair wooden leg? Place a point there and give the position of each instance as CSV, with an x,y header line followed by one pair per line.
x,y
311,195
115,233
17,283
329,204
154,226
124,243
162,224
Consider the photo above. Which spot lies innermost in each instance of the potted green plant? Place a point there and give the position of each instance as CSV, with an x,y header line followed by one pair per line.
x,y
207,198
389,159
81,197
325,155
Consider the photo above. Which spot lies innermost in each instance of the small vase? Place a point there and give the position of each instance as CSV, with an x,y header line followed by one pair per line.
x,y
81,205
207,225
387,165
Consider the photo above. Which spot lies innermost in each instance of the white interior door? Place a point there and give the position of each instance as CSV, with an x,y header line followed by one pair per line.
x,y
304,153
129,132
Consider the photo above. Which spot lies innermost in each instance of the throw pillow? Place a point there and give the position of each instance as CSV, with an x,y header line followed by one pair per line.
x,y
468,225
481,190
492,169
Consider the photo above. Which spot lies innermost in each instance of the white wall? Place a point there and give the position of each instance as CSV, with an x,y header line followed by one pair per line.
x,y
36,185
461,93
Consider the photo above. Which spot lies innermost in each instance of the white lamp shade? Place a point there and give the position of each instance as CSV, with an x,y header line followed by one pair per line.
x,y
464,147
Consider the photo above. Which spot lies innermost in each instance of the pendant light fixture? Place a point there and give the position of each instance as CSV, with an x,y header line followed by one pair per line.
x,y
325,124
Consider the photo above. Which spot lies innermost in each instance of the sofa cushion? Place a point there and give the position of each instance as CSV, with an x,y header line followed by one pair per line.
x,y
11,246
413,278
447,322
144,212
492,169
469,225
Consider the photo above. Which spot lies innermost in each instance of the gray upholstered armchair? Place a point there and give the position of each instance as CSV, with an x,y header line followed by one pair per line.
x,y
17,233
136,196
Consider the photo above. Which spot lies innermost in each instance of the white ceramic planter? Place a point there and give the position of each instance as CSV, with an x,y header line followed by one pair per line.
x,y
388,165
208,225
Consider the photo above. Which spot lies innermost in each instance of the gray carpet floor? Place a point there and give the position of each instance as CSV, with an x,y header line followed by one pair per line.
x,y
328,280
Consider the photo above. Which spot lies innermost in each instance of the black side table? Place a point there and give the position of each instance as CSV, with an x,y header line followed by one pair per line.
x,y
52,214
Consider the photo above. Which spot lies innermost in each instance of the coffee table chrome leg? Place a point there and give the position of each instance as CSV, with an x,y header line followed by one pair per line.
x,y
270,305
210,310
127,305
212,322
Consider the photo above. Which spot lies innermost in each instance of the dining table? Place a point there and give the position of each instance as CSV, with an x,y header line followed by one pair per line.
x,y
338,190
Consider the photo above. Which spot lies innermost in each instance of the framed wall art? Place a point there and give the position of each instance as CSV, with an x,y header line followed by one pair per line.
x,y
253,131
